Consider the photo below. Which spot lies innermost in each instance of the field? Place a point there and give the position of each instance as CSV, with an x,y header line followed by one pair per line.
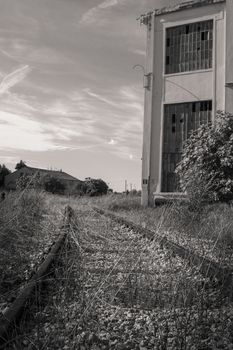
x,y
112,289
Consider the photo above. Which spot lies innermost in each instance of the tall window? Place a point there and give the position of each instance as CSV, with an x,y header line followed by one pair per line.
x,y
180,120
189,47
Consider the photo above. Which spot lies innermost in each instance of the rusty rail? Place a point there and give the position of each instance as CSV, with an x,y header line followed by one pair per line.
x,y
13,314
219,274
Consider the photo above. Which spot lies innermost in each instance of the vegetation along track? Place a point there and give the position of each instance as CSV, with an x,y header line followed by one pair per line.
x,y
115,290
211,269
11,316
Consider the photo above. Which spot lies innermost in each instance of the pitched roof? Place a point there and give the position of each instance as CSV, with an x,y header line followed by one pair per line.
x,y
179,7
56,173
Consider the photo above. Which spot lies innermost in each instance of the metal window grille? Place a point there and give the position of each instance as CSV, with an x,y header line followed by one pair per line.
x,y
189,47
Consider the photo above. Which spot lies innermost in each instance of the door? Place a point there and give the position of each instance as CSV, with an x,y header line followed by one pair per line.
x,y
179,121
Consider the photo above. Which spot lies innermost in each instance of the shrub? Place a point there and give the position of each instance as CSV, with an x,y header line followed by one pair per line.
x,y
95,187
207,160
53,185
81,189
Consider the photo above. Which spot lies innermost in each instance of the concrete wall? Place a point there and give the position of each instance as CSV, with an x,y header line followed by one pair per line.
x,y
175,88
229,55
188,87
147,115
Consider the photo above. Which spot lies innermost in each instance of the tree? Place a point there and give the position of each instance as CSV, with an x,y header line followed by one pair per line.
x,y
53,185
95,187
81,188
20,165
3,172
207,161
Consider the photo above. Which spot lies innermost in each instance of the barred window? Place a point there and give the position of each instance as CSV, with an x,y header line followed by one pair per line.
x,y
189,47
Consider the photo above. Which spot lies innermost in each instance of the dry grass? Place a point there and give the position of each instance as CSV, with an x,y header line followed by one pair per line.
x,y
20,223
207,229
28,226
120,202
116,291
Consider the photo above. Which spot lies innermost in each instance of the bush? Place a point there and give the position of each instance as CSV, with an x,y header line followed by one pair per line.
x,y
53,185
81,189
207,161
95,187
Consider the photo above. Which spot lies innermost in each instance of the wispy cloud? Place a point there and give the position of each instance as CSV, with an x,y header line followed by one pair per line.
x,y
91,15
108,3
14,78
18,132
99,97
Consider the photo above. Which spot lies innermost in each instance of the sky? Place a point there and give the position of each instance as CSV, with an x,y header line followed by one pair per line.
x,y
69,96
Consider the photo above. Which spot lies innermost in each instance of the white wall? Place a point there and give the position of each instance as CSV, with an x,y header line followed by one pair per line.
x,y
175,88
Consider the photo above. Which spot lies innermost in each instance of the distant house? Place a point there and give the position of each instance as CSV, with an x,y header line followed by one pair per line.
x,y
70,182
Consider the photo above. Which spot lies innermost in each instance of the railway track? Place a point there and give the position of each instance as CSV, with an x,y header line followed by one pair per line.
x,y
211,269
11,316
120,287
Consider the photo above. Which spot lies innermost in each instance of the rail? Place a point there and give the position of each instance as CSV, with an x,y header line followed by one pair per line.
x,y
13,314
207,267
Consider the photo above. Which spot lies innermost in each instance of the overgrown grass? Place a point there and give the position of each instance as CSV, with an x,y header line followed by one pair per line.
x,y
20,222
119,202
114,290
205,228
27,229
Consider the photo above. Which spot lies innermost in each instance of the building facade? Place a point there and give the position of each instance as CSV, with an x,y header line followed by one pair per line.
x,y
189,76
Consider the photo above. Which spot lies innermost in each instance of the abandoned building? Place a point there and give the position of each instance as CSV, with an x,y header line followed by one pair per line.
x,y
70,182
189,76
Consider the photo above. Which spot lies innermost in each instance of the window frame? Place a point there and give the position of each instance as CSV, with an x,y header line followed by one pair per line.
x,y
168,25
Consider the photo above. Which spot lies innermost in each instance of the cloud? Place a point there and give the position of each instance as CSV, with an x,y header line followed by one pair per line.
x,y
18,132
100,98
21,133
108,3
118,113
91,15
14,78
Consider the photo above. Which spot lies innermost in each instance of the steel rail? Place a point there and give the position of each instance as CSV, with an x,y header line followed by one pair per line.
x,y
211,269
12,316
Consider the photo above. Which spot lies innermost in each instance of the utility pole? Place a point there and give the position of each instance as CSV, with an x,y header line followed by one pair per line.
x,y
126,186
